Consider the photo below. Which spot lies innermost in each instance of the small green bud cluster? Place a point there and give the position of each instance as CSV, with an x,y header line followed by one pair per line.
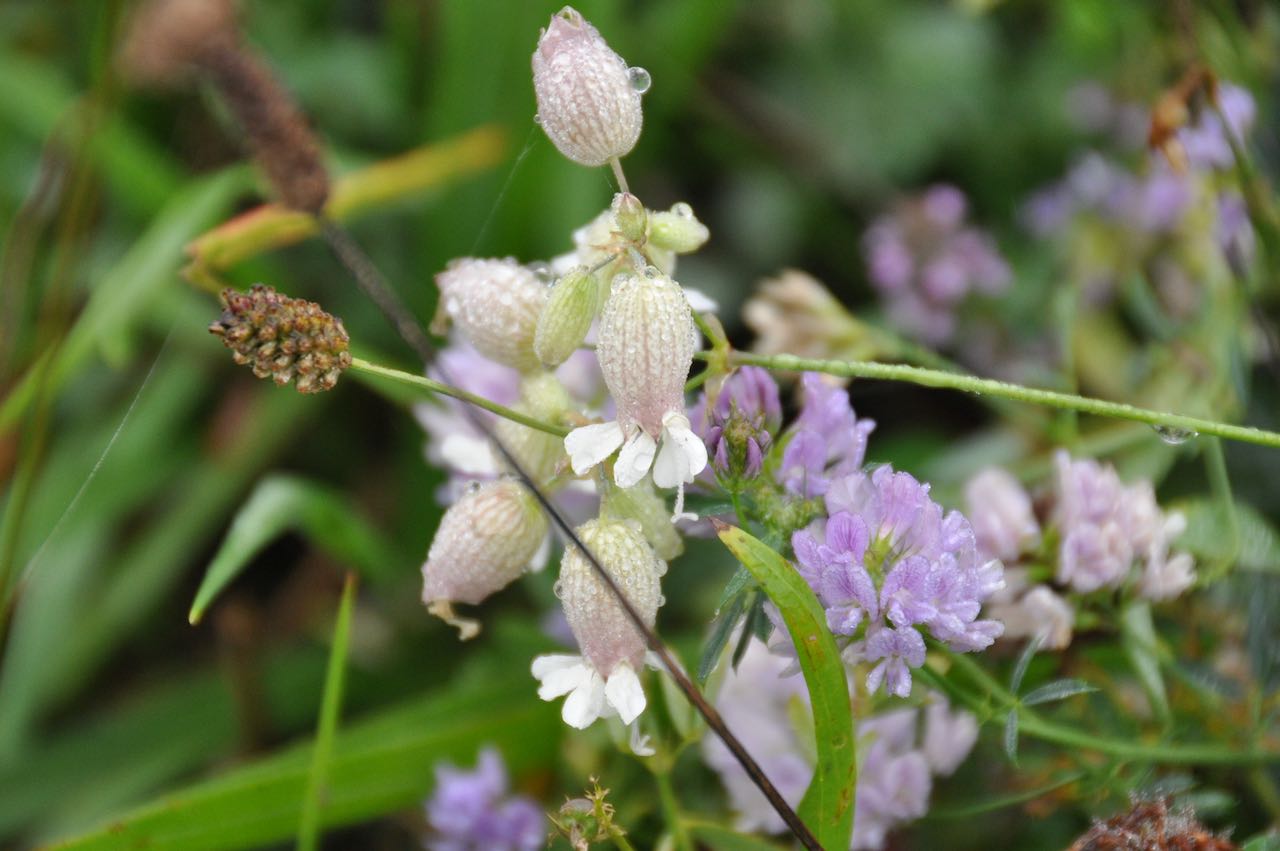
x,y
284,339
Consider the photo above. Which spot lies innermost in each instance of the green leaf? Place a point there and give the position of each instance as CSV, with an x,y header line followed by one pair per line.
x,y
1264,842
1011,736
1057,690
283,503
1142,647
1020,669
827,806
721,627
720,838
327,728
1204,538
379,766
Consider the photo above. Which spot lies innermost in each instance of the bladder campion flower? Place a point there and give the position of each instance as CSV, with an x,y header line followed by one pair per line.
x,y
495,304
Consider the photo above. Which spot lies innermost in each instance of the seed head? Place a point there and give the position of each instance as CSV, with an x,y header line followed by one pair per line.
x,y
496,304
587,103
166,38
285,339
485,541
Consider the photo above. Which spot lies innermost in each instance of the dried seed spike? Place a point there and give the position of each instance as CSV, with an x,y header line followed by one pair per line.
x,y
268,331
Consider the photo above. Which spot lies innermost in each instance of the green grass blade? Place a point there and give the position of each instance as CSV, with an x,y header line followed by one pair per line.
x,y
720,838
379,766
285,503
331,704
827,806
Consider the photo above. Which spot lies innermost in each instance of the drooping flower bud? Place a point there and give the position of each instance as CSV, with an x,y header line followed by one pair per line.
x,y
647,338
285,339
587,102
604,679
567,317
631,217
542,397
496,304
678,229
485,541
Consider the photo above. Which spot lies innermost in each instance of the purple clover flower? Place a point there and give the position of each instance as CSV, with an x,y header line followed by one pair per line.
x,y
827,439
468,811
1206,143
888,566
738,429
925,262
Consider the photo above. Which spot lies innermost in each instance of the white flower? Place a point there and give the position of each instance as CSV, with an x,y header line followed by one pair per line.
x,y
586,101
646,344
1000,511
604,680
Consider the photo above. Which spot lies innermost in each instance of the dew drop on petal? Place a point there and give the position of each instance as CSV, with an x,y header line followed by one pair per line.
x,y
640,79
682,210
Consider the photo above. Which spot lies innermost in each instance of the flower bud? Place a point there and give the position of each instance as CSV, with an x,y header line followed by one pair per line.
x,y
485,541
567,317
605,634
285,339
543,397
496,304
678,230
643,505
630,217
587,102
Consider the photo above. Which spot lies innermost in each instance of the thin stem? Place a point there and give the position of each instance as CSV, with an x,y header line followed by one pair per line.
x,y
439,387
1004,390
671,811
618,175
1022,797
620,839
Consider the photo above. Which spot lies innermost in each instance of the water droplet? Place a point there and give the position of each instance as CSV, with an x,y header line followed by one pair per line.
x,y
558,589
639,79
651,272
472,487
682,210
662,600
537,119
1174,436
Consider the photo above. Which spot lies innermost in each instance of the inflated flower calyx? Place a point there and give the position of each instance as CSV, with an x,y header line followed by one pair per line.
x,y
539,454
567,317
495,304
604,680
485,541
645,506
677,230
588,99
647,338
284,339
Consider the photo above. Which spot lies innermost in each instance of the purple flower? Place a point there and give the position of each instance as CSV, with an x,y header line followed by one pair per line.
x,y
468,812
1000,510
925,262
738,429
897,650
896,508
826,440
1206,143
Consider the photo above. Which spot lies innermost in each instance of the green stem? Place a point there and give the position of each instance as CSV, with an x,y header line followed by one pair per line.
x,y
620,839
327,728
1007,801
1004,390
671,811
438,387
1033,725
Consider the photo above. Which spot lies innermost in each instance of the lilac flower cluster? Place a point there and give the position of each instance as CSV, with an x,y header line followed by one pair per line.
x,y
738,428
1109,536
925,262
897,767
471,811
888,565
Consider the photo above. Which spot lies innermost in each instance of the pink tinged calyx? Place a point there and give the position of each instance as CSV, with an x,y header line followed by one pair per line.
x,y
485,541
496,305
588,99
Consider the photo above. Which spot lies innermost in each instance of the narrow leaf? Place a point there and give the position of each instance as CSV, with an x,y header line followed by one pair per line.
x,y
827,806
721,628
1138,637
283,503
327,728
1020,669
1057,690
1011,736
1259,541
720,838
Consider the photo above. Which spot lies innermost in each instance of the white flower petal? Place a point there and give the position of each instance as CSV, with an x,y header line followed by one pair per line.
x,y
468,454
683,454
542,556
589,445
559,674
624,693
699,301
634,460
584,705
639,743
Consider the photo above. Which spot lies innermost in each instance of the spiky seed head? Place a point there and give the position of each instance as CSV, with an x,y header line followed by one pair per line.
x,y
587,103
605,634
284,339
485,541
496,305
647,338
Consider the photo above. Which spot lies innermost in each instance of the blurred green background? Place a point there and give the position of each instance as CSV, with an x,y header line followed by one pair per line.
x,y
787,125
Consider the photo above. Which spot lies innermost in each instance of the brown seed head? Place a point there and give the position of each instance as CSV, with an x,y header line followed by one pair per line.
x,y
166,39
285,339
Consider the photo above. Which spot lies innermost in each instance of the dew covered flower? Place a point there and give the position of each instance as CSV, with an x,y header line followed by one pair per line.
x,y
485,541
924,261
587,103
760,702
603,681
495,304
472,811
889,566
646,344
